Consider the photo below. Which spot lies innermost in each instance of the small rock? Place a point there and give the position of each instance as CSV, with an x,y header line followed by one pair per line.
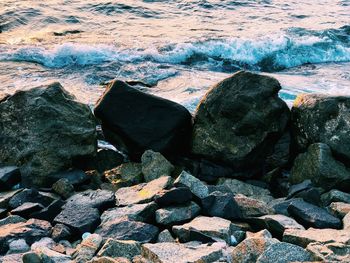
x,y
120,248
335,196
124,229
346,221
60,231
339,209
280,205
312,216
304,237
88,248
173,196
31,257
221,205
9,177
63,187
139,212
48,255
74,176
306,191
33,196
214,227
197,187
142,193
18,246
107,159
49,212
12,219
177,214
165,236
100,199
182,253
249,190
251,207
109,260
155,165
332,252
126,174
282,252
276,224
26,209
5,197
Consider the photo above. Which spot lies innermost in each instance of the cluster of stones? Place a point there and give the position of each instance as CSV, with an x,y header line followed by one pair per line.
x,y
245,180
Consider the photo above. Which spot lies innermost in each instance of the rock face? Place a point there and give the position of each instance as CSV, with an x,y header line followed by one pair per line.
x,y
120,248
182,253
197,187
54,130
318,165
135,121
177,214
154,165
332,252
239,120
321,118
126,174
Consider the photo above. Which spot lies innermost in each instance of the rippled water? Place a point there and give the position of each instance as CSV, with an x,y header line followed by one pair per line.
x,y
178,47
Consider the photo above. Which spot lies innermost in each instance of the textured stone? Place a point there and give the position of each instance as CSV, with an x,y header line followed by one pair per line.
x,y
346,221
335,196
26,209
312,216
87,248
60,231
165,236
155,165
282,252
177,214
173,196
5,197
126,174
249,190
332,252
318,165
250,207
120,248
197,187
142,193
33,196
239,120
135,121
63,187
55,130
182,253
9,177
107,159
339,209
101,199
214,227
18,246
12,219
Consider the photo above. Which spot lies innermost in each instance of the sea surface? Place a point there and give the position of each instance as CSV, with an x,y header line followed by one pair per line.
x,y
178,48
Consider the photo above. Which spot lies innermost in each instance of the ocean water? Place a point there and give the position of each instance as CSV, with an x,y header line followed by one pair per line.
x,y
178,48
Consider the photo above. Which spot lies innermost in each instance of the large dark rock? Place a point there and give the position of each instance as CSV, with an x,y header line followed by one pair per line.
x,y
313,216
9,177
318,165
321,118
44,130
33,196
135,121
173,196
239,120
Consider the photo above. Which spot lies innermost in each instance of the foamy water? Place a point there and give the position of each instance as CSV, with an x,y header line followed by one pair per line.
x,y
179,47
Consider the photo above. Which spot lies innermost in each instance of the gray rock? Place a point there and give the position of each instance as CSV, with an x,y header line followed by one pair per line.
x,y
239,120
197,187
155,165
276,224
126,174
60,231
9,177
26,209
18,246
304,237
318,165
346,221
182,253
55,129
13,258
312,216
332,252
250,207
101,199
107,159
165,236
12,219
173,196
250,249
31,257
142,193
88,248
139,212
214,227
280,205
50,256
30,231
63,187
221,205
5,197
282,252
120,248
335,196
322,118
124,229
109,260
177,214
339,209
249,190
33,196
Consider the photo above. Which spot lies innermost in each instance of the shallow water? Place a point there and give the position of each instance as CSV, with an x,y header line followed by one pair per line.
x,y
179,47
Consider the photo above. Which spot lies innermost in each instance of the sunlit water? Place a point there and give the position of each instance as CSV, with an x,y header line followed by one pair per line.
x,y
179,47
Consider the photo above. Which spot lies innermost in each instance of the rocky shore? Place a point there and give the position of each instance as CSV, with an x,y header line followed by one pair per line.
x,y
245,179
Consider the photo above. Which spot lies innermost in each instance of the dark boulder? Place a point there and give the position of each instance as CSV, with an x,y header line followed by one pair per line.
x,y
26,209
44,130
33,196
321,118
50,212
239,121
318,165
135,121
173,196
9,177
313,216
